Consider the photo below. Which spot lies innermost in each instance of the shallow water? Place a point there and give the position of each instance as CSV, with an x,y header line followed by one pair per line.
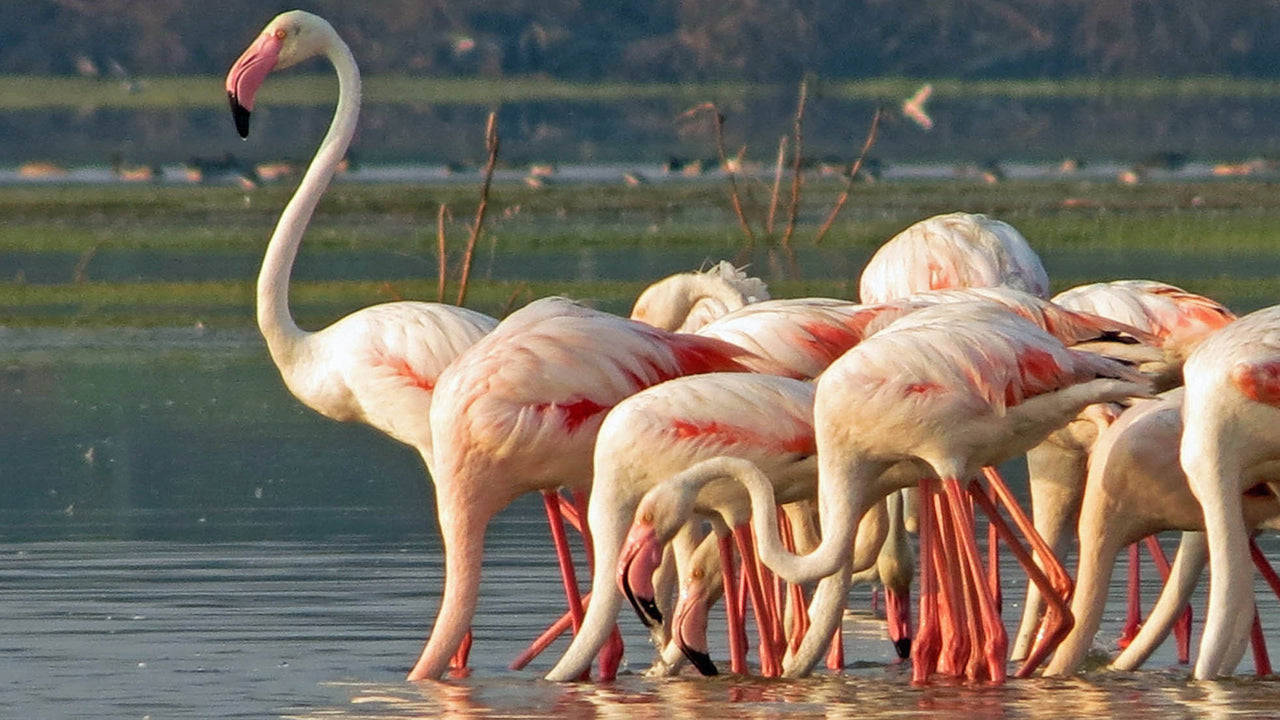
x,y
178,538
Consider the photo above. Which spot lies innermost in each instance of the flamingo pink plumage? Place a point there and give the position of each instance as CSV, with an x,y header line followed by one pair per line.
x,y
519,411
1176,321
953,388
1135,488
954,250
1231,418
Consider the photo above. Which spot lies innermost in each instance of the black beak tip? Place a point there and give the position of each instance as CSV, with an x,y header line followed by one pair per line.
x,y
241,115
649,611
903,646
701,661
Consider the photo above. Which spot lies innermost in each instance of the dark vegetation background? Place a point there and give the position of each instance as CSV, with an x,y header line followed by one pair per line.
x,y
670,40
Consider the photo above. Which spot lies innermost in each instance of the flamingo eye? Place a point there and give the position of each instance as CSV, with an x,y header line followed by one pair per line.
x,y
648,517
281,34
697,574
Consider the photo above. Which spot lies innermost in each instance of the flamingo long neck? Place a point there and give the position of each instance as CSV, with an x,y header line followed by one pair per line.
x,y
838,523
274,319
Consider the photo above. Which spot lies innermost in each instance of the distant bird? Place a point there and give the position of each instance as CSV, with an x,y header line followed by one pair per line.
x,y
913,107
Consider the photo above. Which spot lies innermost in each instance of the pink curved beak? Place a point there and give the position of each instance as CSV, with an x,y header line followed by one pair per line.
x,y
247,75
689,628
641,555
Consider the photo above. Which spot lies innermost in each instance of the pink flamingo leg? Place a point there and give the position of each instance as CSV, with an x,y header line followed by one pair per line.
x,y
458,663
548,636
770,665
1133,618
986,628
1182,628
733,611
835,656
553,502
952,602
799,617
1268,573
1053,581
928,641
993,568
1261,658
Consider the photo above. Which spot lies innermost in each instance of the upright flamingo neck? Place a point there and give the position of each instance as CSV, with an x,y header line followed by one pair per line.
x,y
274,319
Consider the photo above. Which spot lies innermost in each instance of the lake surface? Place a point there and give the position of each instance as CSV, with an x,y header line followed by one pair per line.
x,y
179,538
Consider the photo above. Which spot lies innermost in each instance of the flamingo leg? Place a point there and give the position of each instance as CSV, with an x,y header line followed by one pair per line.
x,y
795,600
554,503
1182,628
953,603
733,610
1052,580
1133,614
993,568
548,636
835,656
988,630
458,663
928,640
770,664
1261,658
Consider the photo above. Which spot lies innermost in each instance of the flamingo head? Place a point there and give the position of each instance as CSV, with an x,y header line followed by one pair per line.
x,y
287,40
641,555
689,628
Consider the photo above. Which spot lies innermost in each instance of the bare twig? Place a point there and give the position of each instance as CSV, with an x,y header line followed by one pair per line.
x,y
796,177
777,185
441,247
491,141
79,273
718,124
848,182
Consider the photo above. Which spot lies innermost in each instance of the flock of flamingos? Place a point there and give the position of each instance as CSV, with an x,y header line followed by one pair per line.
x,y
721,445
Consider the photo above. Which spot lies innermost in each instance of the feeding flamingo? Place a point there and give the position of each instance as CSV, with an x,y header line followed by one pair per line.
x,y
1136,488
1178,321
519,411
951,389
952,251
1231,424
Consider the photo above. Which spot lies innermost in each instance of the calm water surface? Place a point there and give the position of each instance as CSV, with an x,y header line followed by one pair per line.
x,y
178,538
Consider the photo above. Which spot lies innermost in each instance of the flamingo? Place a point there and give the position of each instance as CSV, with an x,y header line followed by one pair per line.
x,y
378,365
952,251
519,411
685,302
1136,488
950,389
1178,321
1231,417
666,428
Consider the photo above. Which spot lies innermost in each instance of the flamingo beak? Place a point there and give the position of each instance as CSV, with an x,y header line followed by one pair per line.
x,y
641,555
898,614
247,75
689,629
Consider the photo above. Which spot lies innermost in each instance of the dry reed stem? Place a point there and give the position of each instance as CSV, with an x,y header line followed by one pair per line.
x,y
492,142
718,124
796,176
777,185
848,182
441,247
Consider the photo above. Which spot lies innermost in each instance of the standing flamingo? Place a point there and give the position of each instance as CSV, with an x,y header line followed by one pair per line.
x,y
1136,488
1231,417
686,301
953,389
519,411
378,365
